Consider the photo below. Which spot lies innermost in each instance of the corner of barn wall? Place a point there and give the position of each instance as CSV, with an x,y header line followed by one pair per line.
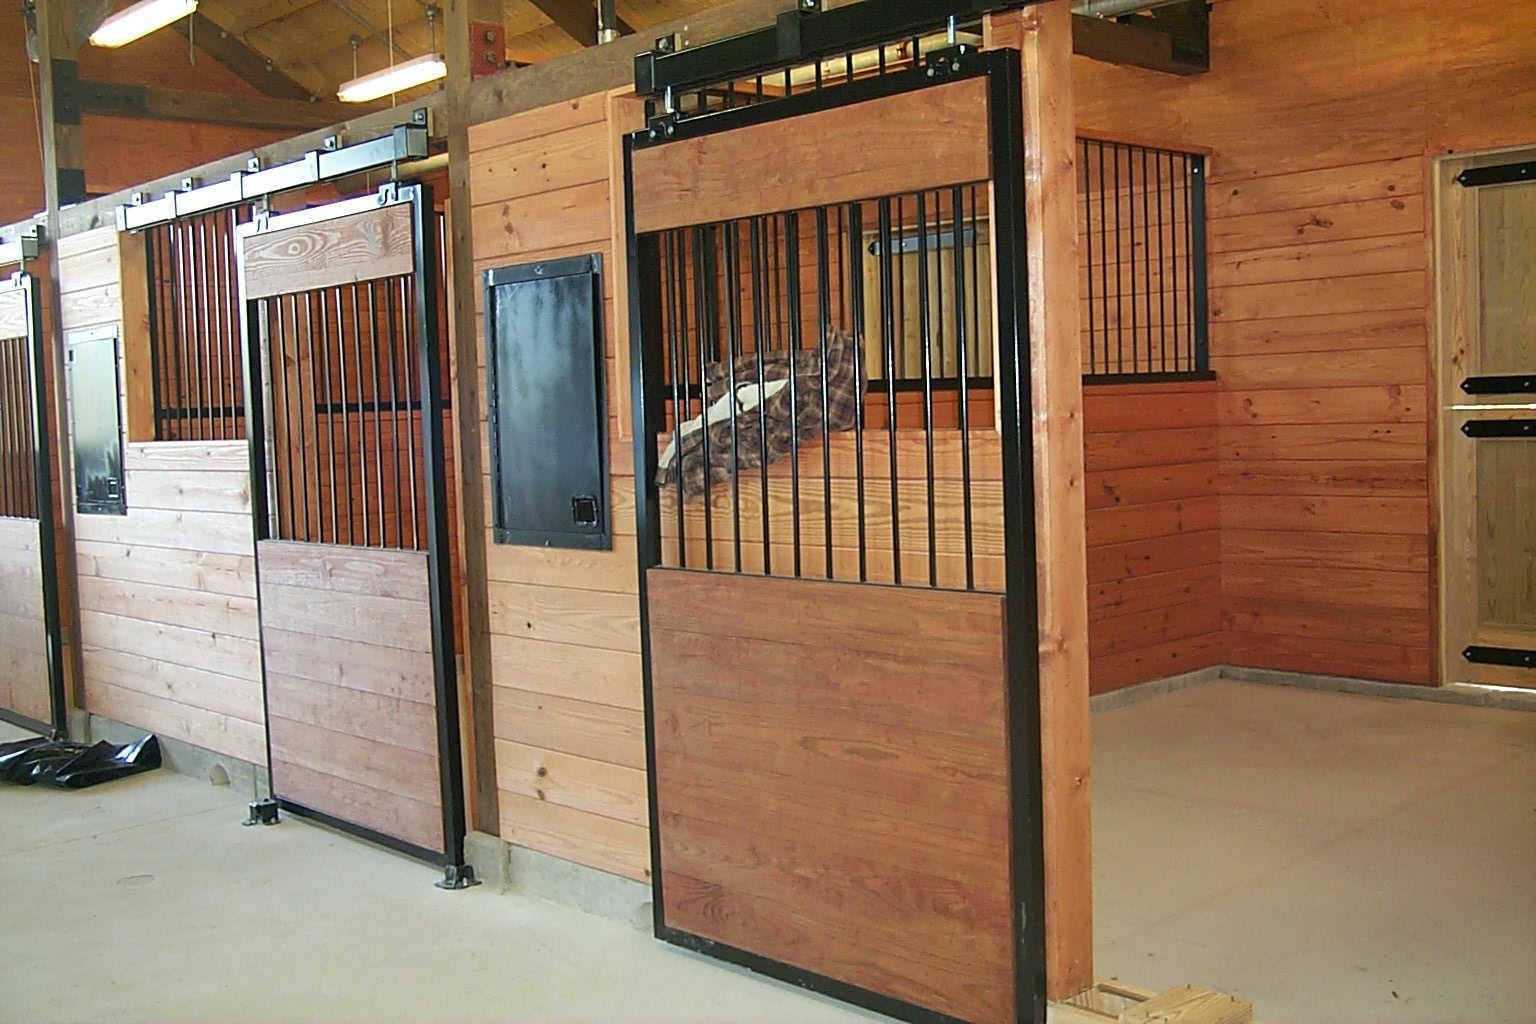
x,y
1320,296
565,625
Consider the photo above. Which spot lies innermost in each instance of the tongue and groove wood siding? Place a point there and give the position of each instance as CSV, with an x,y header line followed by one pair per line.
x,y
570,733
168,630
1320,291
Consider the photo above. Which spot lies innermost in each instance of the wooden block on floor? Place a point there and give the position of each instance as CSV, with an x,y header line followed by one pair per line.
x,y
1187,1004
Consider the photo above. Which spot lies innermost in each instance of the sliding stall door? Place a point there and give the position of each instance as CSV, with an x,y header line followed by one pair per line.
x,y
352,542
836,576
31,669
1489,463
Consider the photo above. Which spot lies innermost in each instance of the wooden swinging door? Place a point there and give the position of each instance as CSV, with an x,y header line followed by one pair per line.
x,y
836,530
350,502
31,653
1487,274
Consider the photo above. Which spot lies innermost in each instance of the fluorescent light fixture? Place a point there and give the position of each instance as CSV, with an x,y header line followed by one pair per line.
x,y
429,67
140,20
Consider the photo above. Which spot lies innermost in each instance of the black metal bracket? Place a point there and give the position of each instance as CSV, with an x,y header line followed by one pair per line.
x,y
1510,384
1508,656
1502,174
800,36
457,876
263,812
1500,428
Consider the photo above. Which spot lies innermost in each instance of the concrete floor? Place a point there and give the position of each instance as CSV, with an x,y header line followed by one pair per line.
x,y
144,900
1334,858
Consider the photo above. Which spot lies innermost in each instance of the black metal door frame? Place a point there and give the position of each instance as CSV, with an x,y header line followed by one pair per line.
x,y
47,527
440,578
1003,71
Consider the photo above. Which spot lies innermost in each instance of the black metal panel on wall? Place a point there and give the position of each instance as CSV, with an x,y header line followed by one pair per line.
x,y
548,415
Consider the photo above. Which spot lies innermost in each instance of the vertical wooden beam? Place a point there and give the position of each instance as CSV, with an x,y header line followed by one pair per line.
x,y
1043,35
63,141
461,52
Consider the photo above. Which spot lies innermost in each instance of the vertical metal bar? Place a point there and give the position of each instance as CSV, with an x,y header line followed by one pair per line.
x,y
860,370
1093,360
378,420
392,334
276,361
732,242
218,410
823,325
1197,258
177,399
963,372
699,291
1146,249
362,423
416,406
888,330
677,352
342,409
1104,253
760,328
1162,276
231,327
1128,253
205,298
900,256
793,313
925,339
1173,253
152,254
193,406
1014,392
1119,264
332,498
983,346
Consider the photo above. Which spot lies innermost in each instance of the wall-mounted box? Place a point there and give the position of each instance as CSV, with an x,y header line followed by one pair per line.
x,y
96,421
548,406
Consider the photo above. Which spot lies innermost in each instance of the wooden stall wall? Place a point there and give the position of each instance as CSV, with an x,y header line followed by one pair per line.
x,y
1320,295
565,624
1153,523
119,152
168,630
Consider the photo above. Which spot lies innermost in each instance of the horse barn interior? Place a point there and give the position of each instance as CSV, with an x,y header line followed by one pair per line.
x,y
799,510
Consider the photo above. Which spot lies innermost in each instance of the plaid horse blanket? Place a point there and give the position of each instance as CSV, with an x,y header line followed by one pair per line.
x,y
771,414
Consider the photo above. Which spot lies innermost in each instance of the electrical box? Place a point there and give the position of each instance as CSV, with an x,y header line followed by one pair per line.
x,y
96,421
548,404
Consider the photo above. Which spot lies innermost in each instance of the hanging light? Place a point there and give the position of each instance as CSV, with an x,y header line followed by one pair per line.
x,y
429,67
140,20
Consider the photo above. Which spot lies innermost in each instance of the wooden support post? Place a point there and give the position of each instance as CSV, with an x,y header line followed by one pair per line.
x,y
1043,35
63,141
461,53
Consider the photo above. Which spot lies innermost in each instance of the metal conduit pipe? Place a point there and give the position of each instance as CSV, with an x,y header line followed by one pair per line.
x,y
1115,8
607,22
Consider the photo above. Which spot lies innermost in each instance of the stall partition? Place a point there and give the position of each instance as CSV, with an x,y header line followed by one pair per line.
x,y
351,508
31,655
837,530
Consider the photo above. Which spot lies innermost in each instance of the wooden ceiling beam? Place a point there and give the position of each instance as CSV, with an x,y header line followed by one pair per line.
x,y
1174,40
255,70
111,99
578,19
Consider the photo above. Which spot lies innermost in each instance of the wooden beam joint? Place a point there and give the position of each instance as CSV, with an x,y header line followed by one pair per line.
x,y
1174,40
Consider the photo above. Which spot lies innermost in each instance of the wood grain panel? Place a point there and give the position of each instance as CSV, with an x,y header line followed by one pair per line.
x,y
342,250
925,139
24,684
888,704
350,685
14,322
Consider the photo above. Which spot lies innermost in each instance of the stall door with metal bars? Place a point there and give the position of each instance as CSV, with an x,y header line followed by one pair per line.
x,y
31,666
1489,462
837,531
352,543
